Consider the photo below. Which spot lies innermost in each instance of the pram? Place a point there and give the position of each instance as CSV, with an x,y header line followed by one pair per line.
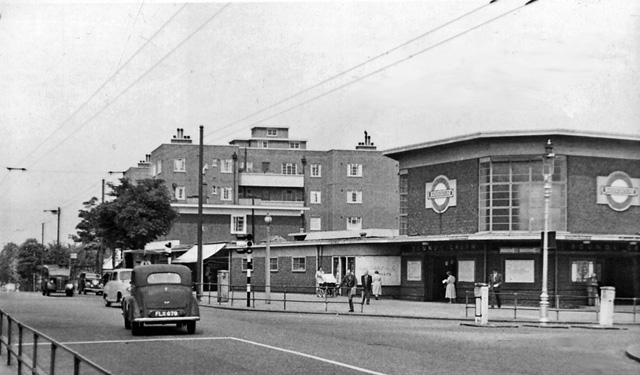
x,y
328,287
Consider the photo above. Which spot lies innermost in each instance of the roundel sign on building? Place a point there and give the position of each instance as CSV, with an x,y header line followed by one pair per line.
x,y
618,190
440,194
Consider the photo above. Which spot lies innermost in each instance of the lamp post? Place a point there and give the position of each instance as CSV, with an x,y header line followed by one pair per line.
x,y
58,213
267,262
547,171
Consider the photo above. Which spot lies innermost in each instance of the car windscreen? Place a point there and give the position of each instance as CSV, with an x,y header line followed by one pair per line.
x,y
164,278
125,275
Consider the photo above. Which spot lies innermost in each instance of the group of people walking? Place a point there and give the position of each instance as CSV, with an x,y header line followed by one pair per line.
x,y
370,285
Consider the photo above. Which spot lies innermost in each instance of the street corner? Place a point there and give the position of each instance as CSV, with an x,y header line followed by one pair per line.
x,y
633,352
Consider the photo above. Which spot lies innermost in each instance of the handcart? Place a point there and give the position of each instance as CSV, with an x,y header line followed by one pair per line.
x,y
328,287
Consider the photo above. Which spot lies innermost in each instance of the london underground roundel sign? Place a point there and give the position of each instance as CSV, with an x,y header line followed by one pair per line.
x,y
440,194
618,190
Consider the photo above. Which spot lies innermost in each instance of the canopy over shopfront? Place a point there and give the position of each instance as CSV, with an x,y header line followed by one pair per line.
x,y
191,256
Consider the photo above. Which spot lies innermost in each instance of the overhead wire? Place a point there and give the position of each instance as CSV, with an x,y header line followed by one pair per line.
x,y
431,31
59,127
458,35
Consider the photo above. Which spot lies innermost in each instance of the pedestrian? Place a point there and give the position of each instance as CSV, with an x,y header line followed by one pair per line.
x,y
349,281
592,290
319,282
450,284
495,282
366,282
377,284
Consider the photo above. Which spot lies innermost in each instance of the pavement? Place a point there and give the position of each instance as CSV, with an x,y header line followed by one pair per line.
x,y
507,316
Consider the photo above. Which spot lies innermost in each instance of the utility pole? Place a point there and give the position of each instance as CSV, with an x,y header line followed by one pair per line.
x,y
199,270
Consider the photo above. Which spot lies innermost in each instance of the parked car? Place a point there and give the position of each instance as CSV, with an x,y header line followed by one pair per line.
x,y
56,280
160,294
117,285
90,282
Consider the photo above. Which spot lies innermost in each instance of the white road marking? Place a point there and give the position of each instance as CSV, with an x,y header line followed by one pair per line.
x,y
360,369
309,356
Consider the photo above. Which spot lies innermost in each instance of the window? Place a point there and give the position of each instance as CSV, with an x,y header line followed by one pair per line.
x,y
354,170
316,170
315,223
581,270
226,165
294,144
227,194
214,190
164,278
265,166
289,168
263,144
354,223
354,196
179,192
511,195
238,224
272,132
404,202
159,167
315,197
153,170
214,162
247,166
298,264
273,264
179,165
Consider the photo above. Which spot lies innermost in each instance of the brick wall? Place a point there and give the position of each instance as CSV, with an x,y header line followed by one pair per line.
x,y
463,218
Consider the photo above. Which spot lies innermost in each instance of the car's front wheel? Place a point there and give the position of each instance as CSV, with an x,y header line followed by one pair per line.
x,y
191,328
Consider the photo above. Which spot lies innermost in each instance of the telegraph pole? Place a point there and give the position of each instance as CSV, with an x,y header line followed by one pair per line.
x,y
199,270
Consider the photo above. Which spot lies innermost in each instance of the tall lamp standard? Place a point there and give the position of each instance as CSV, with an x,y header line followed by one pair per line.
x,y
548,165
267,262
58,213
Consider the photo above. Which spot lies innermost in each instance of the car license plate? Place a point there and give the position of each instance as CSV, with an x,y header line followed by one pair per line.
x,y
159,314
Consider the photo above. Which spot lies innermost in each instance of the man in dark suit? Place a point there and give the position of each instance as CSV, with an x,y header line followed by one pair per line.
x,y
495,282
366,282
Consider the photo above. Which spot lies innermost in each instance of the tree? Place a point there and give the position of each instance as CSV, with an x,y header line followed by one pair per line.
x,y
9,263
30,254
139,213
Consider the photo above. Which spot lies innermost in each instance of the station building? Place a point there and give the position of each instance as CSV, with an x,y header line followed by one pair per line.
x,y
478,202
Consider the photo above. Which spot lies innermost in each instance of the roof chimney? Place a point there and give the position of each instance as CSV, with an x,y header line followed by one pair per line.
x,y
180,137
366,145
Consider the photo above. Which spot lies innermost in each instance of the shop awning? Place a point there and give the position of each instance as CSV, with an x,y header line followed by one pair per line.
x,y
191,256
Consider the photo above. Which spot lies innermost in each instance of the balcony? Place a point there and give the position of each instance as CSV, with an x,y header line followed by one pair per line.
x,y
260,202
270,180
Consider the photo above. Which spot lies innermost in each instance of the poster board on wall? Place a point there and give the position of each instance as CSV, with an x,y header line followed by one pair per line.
x,y
519,271
414,270
466,271
387,266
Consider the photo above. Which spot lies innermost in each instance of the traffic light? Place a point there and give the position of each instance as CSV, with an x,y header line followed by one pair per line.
x,y
249,243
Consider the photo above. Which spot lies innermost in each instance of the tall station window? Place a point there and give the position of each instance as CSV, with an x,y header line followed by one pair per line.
x,y
226,165
316,170
511,194
354,170
179,165
404,202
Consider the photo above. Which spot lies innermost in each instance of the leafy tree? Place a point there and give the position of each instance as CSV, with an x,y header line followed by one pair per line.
x,y
139,213
9,263
29,258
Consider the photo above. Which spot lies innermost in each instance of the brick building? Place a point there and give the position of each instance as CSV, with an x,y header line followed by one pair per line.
x,y
474,203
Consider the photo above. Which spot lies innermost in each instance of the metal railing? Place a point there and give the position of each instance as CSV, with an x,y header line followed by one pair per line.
x,y
283,294
29,355
528,301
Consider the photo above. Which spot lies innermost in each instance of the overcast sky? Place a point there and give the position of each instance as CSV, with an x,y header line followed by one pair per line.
x,y
91,88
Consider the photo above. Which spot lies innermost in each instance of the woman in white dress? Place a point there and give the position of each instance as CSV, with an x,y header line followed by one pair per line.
x,y
450,292
376,284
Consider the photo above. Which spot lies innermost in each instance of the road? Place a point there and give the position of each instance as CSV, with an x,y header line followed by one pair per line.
x,y
239,342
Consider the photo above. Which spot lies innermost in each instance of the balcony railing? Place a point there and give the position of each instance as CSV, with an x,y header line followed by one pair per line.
x,y
271,180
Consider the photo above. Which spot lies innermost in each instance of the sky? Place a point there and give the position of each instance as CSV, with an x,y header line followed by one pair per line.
x,y
91,88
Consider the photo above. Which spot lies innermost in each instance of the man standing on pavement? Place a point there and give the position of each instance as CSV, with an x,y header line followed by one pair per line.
x,y
349,281
495,281
366,282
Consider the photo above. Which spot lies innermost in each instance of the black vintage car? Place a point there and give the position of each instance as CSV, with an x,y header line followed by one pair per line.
x,y
56,280
160,294
90,282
